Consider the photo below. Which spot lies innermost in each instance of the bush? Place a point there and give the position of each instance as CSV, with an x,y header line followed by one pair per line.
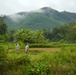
x,y
18,62
2,52
3,57
41,45
39,68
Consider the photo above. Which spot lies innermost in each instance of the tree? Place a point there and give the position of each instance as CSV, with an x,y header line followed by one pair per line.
x,y
3,30
71,35
29,36
3,27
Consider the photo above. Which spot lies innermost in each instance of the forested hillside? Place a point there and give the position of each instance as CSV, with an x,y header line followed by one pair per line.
x,y
44,18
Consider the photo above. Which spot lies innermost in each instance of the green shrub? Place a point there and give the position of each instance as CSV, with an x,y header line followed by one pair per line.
x,y
23,60
39,68
2,52
18,62
3,59
41,45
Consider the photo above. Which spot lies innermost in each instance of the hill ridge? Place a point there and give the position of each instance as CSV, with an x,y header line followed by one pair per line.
x,y
44,18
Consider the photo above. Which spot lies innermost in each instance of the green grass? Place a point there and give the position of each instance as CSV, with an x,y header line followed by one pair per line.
x,y
62,62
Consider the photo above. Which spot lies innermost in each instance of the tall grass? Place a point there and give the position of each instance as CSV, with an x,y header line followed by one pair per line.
x,y
62,62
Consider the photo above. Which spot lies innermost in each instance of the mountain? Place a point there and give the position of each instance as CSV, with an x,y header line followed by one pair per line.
x,y
44,18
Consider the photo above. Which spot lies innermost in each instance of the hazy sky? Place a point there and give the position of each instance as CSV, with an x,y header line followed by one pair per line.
x,y
14,6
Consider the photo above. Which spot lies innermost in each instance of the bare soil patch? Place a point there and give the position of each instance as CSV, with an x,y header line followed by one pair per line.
x,y
45,49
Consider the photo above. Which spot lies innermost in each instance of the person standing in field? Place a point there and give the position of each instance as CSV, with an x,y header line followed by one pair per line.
x,y
26,48
17,48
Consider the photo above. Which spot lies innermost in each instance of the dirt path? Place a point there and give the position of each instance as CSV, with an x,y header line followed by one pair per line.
x,y
37,49
45,49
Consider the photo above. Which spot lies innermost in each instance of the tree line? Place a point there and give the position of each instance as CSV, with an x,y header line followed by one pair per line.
x,y
65,33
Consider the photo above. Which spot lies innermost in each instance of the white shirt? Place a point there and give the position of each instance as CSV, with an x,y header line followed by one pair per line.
x,y
27,47
17,47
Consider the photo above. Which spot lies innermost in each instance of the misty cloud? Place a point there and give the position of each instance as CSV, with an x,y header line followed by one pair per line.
x,y
16,17
14,6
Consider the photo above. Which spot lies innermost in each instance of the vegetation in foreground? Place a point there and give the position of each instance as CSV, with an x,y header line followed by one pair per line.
x,y
61,62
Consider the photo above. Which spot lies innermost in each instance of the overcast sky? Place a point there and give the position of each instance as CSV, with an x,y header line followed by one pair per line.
x,y
14,6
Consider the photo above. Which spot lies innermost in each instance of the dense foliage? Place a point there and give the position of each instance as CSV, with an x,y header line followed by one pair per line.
x,y
3,30
61,62
3,27
66,33
30,36
3,59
